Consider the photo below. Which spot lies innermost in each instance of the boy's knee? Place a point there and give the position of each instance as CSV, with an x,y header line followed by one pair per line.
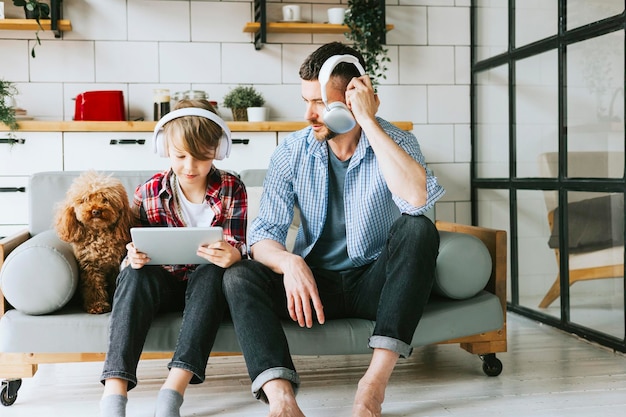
x,y
126,276
237,276
135,280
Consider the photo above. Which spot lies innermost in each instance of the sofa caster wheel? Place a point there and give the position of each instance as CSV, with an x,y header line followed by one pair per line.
x,y
492,366
9,391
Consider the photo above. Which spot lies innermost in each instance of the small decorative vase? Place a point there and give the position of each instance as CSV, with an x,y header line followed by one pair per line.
x,y
257,114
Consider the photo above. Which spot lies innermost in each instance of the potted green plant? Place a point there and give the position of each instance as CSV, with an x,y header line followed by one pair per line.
x,y
37,10
240,98
366,21
7,112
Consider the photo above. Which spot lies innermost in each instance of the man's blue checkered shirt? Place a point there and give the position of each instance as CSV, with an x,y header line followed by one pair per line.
x,y
298,177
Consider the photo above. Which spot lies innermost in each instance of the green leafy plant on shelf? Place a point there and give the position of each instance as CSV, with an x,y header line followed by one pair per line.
x,y
365,19
37,10
240,98
7,112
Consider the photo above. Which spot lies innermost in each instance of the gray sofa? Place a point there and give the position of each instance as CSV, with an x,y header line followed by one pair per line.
x,y
40,321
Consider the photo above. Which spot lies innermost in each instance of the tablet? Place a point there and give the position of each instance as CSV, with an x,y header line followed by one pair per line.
x,y
174,245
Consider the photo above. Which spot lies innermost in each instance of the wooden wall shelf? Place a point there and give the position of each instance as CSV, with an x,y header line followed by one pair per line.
x,y
281,27
261,27
31,24
56,24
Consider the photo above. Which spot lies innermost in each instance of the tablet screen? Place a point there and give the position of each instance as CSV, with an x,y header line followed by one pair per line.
x,y
174,245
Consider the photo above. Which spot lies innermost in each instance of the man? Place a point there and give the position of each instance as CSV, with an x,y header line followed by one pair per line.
x,y
364,249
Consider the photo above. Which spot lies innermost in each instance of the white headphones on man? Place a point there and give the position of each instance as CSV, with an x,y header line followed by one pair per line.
x,y
337,116
223,149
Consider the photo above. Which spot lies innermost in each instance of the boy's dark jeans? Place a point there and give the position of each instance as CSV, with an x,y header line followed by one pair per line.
x,y
393,290
143,293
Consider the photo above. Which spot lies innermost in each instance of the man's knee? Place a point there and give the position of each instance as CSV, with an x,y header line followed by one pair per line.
x,y
415,228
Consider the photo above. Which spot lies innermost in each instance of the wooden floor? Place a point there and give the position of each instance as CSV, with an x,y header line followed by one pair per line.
x,y
546,373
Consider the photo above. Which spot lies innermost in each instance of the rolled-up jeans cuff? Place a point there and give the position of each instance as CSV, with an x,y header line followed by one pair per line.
x,y
132,379
198,375
270,374
389,343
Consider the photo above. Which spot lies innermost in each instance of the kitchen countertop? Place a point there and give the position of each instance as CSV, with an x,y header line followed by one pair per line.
x,y
71,126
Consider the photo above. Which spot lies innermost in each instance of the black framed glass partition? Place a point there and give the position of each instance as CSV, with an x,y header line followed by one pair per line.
x,y
548,156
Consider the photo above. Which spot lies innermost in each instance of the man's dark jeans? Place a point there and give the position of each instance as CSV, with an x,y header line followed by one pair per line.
x,y
393,290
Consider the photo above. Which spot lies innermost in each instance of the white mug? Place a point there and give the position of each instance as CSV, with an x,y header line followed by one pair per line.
x,y
9,101
336,15
1,10
291,12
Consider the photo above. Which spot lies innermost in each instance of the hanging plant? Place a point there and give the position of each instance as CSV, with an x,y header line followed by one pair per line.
x,y
34,9
366,21
7,112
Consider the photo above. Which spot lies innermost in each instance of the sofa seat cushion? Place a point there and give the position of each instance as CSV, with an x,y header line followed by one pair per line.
x,y
41,275
443,319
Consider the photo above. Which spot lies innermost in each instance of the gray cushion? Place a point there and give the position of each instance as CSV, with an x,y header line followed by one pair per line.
x,y
253,177
41,275
463,266
593,224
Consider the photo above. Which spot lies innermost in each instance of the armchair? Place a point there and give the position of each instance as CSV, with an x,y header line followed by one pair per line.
x,y
596,220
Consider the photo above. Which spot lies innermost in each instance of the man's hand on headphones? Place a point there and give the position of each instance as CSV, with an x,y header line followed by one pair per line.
x,y
361,98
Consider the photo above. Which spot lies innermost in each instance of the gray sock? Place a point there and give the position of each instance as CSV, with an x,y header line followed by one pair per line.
x,y
113,406
168,403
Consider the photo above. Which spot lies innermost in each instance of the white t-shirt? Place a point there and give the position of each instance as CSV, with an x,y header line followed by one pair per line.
x,y
194,214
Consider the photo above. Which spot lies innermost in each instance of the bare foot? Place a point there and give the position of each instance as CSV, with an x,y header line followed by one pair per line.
x,y
282,399
368,400
285,409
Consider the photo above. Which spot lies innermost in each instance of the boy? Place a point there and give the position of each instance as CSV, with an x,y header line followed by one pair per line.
x,y
191,193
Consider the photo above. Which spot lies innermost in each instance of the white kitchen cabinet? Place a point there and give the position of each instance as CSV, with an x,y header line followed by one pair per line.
x,y
13,204
22,154
250,150
110,151
29,152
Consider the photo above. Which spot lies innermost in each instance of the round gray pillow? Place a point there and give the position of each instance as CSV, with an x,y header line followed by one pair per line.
x,y
463,266
41,275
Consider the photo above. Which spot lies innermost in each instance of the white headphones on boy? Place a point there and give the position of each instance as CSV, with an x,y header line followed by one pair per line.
x,y
223,148
337,116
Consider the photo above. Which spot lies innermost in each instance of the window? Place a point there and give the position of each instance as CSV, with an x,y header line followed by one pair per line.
x,y
548,156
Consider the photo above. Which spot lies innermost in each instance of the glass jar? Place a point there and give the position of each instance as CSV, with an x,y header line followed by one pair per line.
x,y
196,95
161,99
191,95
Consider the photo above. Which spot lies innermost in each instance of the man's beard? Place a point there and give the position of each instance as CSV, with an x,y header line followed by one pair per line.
x,y
324,136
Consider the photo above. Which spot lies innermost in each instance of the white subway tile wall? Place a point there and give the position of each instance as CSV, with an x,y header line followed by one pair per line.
x,y
138,45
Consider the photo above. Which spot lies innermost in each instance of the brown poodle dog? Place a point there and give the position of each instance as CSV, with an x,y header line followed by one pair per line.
x,y
96,219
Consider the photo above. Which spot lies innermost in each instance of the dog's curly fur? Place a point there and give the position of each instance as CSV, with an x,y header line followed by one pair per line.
x,y
95,218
